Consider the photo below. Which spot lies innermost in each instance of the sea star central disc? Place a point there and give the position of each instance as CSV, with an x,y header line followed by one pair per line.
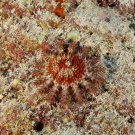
x,y
66,69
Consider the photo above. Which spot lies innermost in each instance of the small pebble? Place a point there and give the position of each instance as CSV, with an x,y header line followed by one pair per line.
x,y
38,126
1,96
15,82
73,35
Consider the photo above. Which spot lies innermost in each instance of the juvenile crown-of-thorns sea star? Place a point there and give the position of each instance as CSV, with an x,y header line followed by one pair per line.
x,y
69,73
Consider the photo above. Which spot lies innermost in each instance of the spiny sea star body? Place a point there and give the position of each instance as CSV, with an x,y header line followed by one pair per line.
x,y
69,70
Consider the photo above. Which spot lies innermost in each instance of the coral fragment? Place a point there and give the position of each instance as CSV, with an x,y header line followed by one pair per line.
x,y
59,10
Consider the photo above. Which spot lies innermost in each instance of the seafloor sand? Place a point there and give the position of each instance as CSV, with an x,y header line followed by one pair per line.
x,y
28,28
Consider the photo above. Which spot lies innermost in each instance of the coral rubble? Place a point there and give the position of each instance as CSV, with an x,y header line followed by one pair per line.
x,y
67,67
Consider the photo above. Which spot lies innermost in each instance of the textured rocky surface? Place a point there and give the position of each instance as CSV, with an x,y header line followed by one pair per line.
x,y
96,34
